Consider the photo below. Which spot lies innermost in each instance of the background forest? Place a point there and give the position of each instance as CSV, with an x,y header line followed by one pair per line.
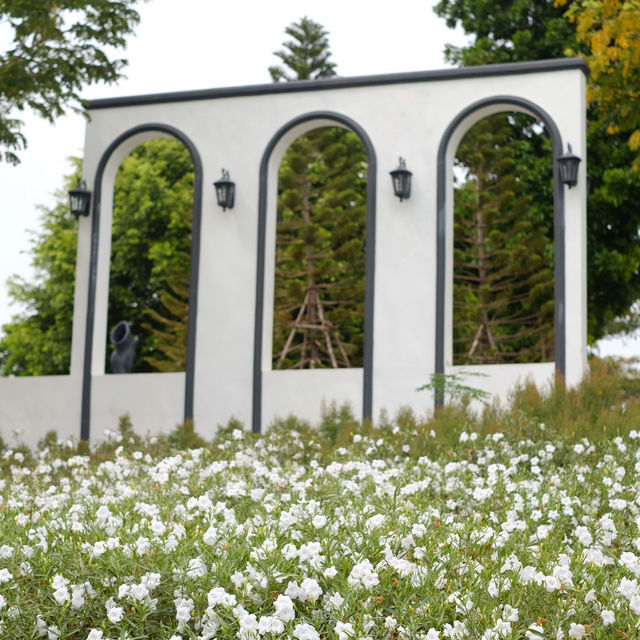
x,y
498,317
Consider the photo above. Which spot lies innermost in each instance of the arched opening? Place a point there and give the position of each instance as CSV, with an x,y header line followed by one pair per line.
x,y
150,254
265,273
320,252
445,232
98,280
503,250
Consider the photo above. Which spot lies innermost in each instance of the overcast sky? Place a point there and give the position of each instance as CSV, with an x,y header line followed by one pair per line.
x,y
197,44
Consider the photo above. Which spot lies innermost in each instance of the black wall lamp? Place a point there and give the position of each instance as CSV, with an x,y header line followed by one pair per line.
x,y
225,191
80,199
568,165
401,178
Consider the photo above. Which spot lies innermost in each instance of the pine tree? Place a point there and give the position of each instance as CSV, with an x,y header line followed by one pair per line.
x,y
307,55
169,325
319,282
503,257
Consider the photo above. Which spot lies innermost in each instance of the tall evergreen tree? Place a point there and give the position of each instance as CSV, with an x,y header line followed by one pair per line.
x,y
503,255
306,56
319,282
506,31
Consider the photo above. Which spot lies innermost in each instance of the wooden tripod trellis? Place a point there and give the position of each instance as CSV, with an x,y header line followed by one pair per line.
x,y
311,320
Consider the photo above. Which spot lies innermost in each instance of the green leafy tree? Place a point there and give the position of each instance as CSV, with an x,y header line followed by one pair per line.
x,y
610,29
506,31
56,48
149,277
503,255
150,251
37,341
319,281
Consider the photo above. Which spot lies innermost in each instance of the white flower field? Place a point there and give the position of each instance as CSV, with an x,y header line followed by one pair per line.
x,y
278,537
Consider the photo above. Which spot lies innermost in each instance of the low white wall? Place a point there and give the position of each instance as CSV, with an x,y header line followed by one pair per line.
x,y
499,380
32,406
302,393
154,402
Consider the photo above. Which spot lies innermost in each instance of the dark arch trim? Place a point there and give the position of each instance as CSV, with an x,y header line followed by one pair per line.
x,y
370,247
558,219
193,278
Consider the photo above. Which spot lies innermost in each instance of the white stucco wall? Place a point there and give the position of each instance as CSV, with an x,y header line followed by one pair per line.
x,y
153,401
405,118
31,407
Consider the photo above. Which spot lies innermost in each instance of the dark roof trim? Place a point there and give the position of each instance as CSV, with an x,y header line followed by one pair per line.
x,y
535,66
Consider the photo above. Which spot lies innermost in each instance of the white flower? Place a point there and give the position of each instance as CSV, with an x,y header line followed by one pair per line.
x,y
535,632
284,608
390,622
142,545
102,514
634,604
61,595
184,607
510,613
211,536
115,614
294,591
95,634
344,630
319,521
584,536
248,627
98,548
330,572
6,551
77,596
5,575
270,624
218,595
551,583
374,522
158,527
305,632
311,589
607,617
577,630
363,575
432,634
138,591
628,588
336,601
196,568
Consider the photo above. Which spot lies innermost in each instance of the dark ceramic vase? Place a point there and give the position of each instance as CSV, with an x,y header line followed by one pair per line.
x,y
124,348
